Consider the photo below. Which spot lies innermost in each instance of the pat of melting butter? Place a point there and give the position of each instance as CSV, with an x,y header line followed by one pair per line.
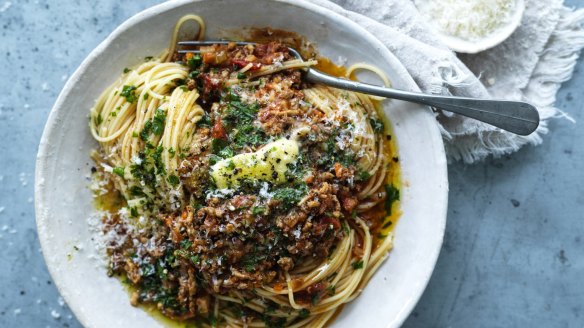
x,y
267,164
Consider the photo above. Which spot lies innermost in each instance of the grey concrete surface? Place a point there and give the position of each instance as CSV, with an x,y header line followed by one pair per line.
x,y
513,250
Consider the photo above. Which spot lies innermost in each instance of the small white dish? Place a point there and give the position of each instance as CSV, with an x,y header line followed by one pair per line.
x,y
489,41
63,201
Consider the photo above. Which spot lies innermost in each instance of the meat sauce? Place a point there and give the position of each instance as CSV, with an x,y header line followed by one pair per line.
x,y
216,245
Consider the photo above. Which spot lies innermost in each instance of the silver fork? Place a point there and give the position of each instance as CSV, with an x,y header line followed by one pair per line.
x,y
514,116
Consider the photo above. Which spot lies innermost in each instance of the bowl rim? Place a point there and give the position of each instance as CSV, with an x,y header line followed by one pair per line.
x,y
44,148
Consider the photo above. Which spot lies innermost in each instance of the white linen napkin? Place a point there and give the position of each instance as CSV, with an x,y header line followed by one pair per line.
x,y
530,66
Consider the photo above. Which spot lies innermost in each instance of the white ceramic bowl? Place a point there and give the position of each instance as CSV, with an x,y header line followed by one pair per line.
x,y
63,202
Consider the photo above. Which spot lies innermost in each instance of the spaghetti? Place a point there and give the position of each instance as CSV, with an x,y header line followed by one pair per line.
x,y
247,198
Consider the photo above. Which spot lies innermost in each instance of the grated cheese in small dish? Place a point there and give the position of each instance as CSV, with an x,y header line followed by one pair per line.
x,y
471,26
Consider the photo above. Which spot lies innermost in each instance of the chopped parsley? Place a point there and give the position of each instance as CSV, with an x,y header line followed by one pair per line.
x,y
251,260
332,154
240,113
195,259
157,158
155,125
173,180
119,171
146,131
217,145
167,298
346,226
147,270
134,212
205,121
185,244
136,191
315,298
226,152
238,110
304,313
392,195
357,265
248,135
148,166
377,125
158,122
213,159
194,74
363,176
238,120
129,92
258,210
290,196
98,120
195,61
331,289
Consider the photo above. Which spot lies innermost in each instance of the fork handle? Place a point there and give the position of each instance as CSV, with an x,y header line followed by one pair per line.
x,y
514,116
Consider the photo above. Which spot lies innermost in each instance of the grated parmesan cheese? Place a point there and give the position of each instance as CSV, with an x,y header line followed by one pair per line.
x,y
470,20
265,191
136,160
107,168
